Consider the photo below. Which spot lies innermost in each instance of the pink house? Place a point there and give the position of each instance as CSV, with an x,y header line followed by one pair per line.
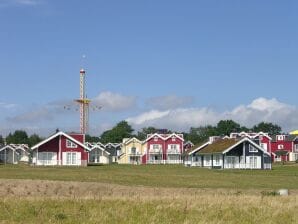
x,y
163,149
61,149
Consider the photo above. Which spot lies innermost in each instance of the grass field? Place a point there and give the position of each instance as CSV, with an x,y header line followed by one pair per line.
x,y
282,176
146,194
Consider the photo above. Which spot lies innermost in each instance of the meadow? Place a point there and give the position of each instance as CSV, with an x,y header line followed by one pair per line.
x,y
146,194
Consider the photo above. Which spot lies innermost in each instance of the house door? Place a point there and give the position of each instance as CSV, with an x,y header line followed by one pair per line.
x,y
72,158
231,162
253,162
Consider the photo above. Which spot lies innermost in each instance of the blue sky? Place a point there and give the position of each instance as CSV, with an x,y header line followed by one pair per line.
x,y
172,64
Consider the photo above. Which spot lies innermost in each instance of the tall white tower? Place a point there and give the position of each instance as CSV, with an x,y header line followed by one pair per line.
x,y
84,104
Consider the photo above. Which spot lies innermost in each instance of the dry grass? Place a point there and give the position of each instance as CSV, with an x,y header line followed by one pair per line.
x,y
146,194
35,201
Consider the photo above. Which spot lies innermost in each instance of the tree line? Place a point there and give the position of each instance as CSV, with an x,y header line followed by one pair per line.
x,y
124,130
195,134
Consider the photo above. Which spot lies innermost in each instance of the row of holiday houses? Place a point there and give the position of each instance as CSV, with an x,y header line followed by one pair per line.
x,y
237,151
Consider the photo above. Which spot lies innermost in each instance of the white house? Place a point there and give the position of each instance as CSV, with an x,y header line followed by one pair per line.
x,y
14,153
230,154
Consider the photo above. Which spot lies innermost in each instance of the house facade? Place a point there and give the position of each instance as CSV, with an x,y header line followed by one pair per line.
x,y
114,149
284,148
98,154
230,153
14,153
132,150
163,149
61,149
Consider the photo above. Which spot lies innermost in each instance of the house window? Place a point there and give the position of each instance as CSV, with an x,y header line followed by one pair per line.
x,y
173,147
46,158
253,162
71,158
252,149
133,150
280,137
280,146
264,146
296,148
95,156
155,139
217,160
70,144
207,160
173,139
156,146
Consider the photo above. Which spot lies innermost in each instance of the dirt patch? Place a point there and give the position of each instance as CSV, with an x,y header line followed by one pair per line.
x,y
72,189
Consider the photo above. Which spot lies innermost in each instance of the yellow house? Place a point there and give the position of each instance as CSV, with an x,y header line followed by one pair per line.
x,y
132,151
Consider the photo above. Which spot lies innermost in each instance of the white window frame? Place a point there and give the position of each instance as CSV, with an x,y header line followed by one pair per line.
x,y
253,162
280,146
133,150
156,146
251,148
280,137
296,148
207,160
70,144
217,160
46,158
71,158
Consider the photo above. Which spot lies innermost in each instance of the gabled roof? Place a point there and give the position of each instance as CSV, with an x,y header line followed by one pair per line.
x,y
97,146
225,145
188,142
14,147
9,147
174,135
198,147
154,135
112,144
60,133
218,146
90,144
164,138
133,139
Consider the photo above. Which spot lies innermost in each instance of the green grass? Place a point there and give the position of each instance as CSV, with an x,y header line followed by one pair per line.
x,y
282,176
222,196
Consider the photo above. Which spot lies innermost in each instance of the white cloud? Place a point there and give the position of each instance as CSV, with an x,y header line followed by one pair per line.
x,y
261,109
169,102
150,116
8,105
114,102
11,3
27,2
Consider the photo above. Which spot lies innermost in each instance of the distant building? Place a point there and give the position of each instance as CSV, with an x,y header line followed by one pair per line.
x,y
61,149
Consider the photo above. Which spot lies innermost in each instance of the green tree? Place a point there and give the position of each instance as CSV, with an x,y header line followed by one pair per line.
x,y
18,137
225,127
268,127
1,140
117,133
34,139
89,138
200,134
142,135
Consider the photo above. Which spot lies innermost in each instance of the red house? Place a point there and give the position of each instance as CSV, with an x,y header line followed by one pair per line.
x,y
61,149
163,149
282,146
